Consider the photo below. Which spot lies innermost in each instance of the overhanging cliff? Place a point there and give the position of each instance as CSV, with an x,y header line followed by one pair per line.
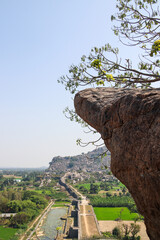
x,y
129,123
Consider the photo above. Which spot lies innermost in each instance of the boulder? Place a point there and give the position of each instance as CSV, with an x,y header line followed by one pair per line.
x,y
129,123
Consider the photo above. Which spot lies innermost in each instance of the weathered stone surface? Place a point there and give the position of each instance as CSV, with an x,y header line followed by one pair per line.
x,y
129,123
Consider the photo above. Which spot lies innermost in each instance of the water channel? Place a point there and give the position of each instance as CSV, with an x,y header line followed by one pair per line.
x,y
52,222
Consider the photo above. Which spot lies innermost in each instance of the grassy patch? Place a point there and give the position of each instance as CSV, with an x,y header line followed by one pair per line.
x,y
86,185
7,233
60,204
41,191
121,185
54,194
112,213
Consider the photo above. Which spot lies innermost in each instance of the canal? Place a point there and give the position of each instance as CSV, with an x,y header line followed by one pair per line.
x,y
51,222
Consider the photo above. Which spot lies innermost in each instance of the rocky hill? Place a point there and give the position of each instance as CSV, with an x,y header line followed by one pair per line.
x,y
87,162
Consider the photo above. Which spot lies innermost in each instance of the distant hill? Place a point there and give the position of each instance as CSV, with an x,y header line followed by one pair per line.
x,y
90,161
22,169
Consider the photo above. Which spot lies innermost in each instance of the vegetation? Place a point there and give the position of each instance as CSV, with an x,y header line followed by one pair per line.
x,y
7,233
83,186
61,203
136,25
58,229
26,199
52,193
114,213
113,201
26,204
109,193
94,188
20,179
29,201
110,185
126,232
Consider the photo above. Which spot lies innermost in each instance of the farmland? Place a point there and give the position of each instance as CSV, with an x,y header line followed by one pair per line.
x,y
7,233
113,213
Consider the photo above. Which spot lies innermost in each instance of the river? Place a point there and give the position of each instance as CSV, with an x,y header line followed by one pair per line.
x,y
52,222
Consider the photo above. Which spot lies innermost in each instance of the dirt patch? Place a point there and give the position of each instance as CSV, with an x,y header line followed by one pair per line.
x,y
88,222
11,176
92,228
81,209
109,225
88,209
88,225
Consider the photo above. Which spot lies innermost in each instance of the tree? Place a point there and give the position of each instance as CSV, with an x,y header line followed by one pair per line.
x,y
83,189
108,194
105,186
133,208
126,229
124,190
137,24
3,203
134,229
117,232
120,213
58,229
14,206
94,188
70,165
20,219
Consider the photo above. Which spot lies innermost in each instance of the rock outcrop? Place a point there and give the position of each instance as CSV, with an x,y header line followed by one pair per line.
x,y
129,123
91,162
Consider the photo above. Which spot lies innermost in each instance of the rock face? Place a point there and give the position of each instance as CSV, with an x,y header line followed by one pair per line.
x,y
90,162
129,123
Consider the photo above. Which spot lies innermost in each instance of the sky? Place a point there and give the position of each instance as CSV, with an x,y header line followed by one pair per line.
x,y
39,41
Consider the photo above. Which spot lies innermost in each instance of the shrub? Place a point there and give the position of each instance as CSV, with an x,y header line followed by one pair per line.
x,y
117,232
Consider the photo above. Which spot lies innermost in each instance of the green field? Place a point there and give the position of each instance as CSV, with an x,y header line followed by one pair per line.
x,y
121,185
112,213
60,204
55,194
86,185
7,233
41,191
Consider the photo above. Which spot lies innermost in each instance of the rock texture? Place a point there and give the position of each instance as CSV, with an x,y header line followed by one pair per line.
x,y
129,122
91,162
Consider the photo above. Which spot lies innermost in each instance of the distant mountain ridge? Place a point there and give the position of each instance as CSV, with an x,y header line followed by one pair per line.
x,y
90,161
